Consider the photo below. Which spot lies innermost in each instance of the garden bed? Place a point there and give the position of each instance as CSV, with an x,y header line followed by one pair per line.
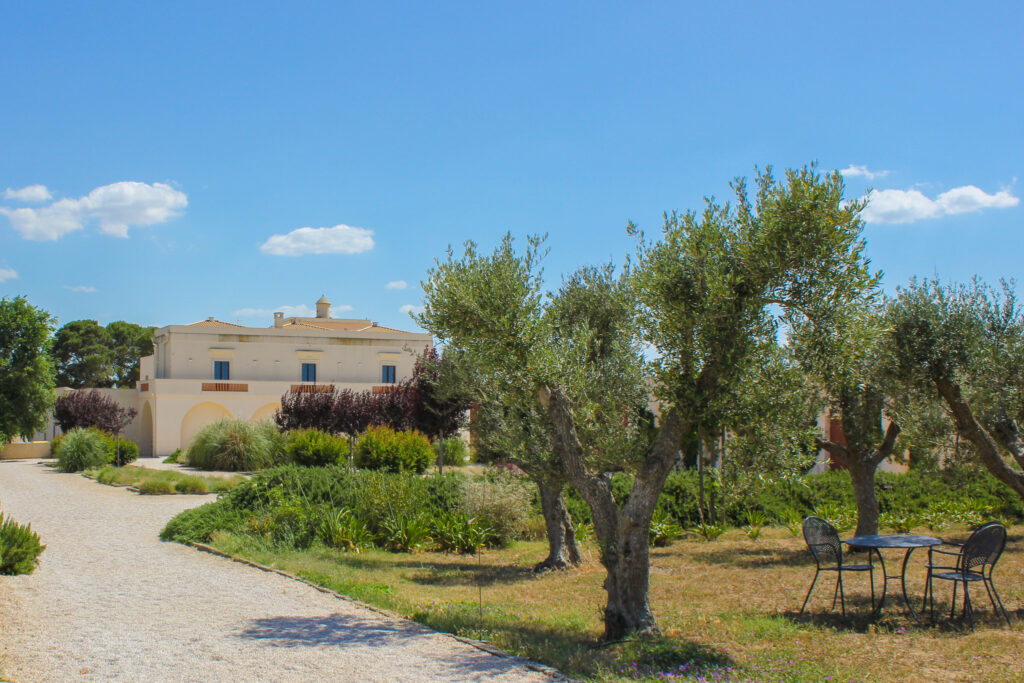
x,y
163,482
727,608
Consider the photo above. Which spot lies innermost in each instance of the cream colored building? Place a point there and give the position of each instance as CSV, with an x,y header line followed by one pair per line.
x,y
211,369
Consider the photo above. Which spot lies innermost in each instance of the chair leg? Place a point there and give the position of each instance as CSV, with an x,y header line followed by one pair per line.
x,y
835,593
1001,607
814,581
968,608
928,590
871,578
952,607
842,596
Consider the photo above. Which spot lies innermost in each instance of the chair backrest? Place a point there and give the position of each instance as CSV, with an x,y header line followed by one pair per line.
x,y
823,541
983,547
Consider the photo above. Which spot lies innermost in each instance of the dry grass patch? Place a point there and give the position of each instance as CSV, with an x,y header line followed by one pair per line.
x,y
728,609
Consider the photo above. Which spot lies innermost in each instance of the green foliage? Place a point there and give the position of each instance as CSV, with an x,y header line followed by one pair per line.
x,y
122,451
236,446
501,503
54,443
404,534
19,547
156,487
83,449
383,448
756,522
664,529
314,448
26,375
709,532
458,532
898,521
340,528
454,452
198,524
172,459
86,354
842,517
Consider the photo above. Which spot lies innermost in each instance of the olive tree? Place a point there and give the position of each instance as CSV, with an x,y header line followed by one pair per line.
x,y
843,358
964,344
702,297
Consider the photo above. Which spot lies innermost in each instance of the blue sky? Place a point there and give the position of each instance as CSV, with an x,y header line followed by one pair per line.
x,y
149,155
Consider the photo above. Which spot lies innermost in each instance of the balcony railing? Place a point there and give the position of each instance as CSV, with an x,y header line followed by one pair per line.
x,y
311,388
224,386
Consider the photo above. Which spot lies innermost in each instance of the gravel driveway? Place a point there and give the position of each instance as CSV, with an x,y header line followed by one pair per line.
x,y
111,602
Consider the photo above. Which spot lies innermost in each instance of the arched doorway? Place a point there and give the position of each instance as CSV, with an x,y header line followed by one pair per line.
x,y
265,412
198,417
146,440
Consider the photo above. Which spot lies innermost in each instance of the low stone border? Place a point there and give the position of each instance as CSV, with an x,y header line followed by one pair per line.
x,y
555,674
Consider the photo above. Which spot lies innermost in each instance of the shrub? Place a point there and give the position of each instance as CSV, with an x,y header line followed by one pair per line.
x,y
172,459
235,445
199,523
382,448
664,529
54,443
459,533
19,547
83,449
500,503
454,452
122,451
313,448
405,534
341,529
155,486
191,484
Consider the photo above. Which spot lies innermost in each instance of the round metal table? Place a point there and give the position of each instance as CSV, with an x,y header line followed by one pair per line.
x,y
908,542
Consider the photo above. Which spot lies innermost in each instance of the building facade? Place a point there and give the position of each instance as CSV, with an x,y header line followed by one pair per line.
x,y
208,370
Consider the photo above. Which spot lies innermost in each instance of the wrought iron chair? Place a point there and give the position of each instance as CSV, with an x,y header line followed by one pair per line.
x,y
980,552
823,542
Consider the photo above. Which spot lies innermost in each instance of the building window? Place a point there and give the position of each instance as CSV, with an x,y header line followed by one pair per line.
x,y
309,372
221,369
387,374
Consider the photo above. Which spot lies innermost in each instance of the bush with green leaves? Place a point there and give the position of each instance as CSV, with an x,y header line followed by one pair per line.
x,y
19,547
122,451
383,448
664,529
231,445
83,449
454,452
314,448
457,532
404,534
501,502
340,528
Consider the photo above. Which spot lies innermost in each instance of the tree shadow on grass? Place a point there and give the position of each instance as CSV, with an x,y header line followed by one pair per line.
x,y
750,558
466,571
375,634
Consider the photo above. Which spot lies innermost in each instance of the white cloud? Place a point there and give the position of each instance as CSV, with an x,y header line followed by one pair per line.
x,y
341,239
906,206
410,308
8,274
80,288
299,311
29,193
116,207
396,284
854,170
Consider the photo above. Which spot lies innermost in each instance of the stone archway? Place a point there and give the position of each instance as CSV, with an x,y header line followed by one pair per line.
x,y
265,412
146,440
198,417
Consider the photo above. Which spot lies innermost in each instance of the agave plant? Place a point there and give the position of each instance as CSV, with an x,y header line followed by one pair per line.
x,y
756,522
664,529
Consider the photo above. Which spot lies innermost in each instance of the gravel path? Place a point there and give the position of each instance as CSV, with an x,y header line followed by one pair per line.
x,y
111,602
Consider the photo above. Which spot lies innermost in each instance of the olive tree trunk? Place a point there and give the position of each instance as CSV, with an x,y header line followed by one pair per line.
x,y
622,534
562,549
862,468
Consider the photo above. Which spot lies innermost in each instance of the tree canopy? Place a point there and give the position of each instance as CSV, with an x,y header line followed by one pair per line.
x,y
88,355
26,376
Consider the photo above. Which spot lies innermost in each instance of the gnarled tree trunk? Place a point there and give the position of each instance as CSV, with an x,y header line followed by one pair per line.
x,y
984,445
862,475
562,549
623,535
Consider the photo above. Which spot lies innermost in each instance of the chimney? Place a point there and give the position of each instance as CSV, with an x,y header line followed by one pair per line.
x,y
323,307
278,319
